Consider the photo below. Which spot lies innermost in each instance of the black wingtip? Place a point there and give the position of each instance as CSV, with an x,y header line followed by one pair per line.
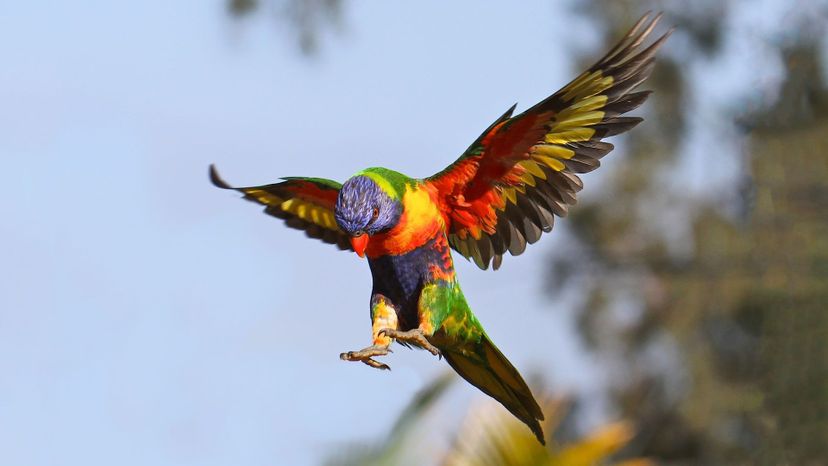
x,y
506,115
538,431
216,179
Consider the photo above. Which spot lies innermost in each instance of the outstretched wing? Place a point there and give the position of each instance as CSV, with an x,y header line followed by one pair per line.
x,y
303,203
505,190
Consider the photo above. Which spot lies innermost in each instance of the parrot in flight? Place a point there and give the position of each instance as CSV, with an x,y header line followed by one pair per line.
x,y
503,193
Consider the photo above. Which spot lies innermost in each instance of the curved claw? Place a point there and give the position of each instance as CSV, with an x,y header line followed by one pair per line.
x,y
376,364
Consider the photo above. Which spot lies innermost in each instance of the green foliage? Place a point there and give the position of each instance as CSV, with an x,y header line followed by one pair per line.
x,y
490,435
741,304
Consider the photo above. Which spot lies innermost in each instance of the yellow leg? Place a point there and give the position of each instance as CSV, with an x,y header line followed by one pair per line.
x,y
383,316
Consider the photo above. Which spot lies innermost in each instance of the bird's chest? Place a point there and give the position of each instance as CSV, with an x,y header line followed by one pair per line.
x,y
401,278
420,222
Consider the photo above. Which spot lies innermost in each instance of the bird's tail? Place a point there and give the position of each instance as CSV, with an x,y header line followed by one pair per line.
x,y
487,369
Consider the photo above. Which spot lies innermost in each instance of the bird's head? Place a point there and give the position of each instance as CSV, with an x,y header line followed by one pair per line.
x,y
365,207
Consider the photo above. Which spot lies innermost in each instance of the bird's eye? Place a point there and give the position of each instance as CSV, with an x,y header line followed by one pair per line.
x,y
374,216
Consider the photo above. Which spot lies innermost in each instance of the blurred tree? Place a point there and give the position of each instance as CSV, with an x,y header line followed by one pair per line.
x,y
307,18
718,347
489,436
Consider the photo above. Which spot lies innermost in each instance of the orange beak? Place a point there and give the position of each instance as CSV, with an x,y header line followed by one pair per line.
x,y
359,243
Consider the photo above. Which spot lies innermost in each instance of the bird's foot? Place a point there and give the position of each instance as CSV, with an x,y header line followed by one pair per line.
x,y
366,356
414,336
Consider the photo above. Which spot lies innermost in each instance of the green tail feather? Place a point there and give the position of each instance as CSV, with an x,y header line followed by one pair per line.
x,y
487,369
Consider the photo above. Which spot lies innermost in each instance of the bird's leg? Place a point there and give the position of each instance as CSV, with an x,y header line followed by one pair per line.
x,y
383,316
414,336
419,336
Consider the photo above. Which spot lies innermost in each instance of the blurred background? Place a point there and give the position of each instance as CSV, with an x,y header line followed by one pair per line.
x,y
677,316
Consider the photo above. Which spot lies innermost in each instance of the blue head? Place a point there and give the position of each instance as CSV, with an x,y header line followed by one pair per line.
x,y
364,207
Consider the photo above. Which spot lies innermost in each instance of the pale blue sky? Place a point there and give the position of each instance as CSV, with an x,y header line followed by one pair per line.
x,y
149,318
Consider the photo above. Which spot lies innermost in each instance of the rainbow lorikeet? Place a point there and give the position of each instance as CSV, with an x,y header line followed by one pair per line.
x,y
501,194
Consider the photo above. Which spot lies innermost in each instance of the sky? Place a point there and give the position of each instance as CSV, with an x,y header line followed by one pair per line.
x,y
149,318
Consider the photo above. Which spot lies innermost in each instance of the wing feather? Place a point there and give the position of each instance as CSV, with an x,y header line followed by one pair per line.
x,y
303,203
506,189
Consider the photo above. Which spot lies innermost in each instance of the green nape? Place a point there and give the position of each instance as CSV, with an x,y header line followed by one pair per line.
x,y
392,182
321,181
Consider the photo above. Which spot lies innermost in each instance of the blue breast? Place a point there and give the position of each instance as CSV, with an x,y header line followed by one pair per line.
x,y
401,278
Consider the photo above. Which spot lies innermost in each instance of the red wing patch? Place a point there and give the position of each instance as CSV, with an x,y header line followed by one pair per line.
x,y
508,186
303,203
